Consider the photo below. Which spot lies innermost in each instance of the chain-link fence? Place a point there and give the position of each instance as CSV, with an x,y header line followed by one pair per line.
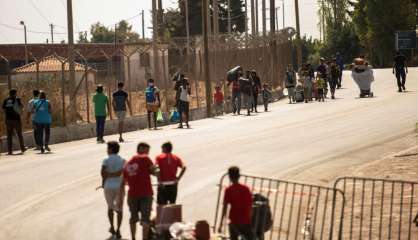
x,y
134,64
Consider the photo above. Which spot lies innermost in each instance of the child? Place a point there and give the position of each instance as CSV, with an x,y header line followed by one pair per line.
x,y
320,83
218,98
266,96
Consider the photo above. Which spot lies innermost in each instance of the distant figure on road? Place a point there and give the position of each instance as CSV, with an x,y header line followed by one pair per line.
x,y
322,70
218,99
12,107
239,198
30,115
246,86
266,96
137,174
340,63
152,98
119,102
183,105
256,82
43,120
320,88
101,103
362,75
236,94
290,83
333,77
400,69
168,163
111,173
306,81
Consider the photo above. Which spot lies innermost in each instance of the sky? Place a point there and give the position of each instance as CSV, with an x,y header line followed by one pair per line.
x,y
39,14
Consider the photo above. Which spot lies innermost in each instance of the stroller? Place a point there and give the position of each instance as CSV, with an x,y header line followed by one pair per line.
x,y
363,77
299,95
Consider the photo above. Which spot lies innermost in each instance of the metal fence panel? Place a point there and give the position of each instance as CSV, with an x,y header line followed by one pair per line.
x,y
300,211
379,208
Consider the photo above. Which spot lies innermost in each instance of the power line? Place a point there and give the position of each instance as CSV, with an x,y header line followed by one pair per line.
x,y
39,12
29,31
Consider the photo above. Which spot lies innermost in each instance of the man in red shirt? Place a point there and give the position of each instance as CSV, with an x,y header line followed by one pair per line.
x,y
168,164
137,175
239,197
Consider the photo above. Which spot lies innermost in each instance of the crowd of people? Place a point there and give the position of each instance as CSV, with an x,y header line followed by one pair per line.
x,y
136,173
303,85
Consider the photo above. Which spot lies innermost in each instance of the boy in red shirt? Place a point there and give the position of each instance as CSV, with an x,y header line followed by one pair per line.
x,y
168,164
137,175
239,197
218,98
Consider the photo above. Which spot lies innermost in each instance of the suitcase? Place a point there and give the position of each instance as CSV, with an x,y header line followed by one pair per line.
x,y
167,215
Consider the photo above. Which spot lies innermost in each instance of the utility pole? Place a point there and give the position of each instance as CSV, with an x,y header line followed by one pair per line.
x,y
208,85
252,17
26,41
277,18
216,18
115,38
256,17
154,37
186,2
283,14
52,33
246,21
229,17
143,25
263,15
298,38
273,43
71,64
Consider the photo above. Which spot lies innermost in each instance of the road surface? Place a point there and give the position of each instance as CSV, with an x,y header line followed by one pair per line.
x,y
53,196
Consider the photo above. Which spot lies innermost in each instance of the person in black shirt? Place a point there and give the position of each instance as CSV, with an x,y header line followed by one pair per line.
x,y
12,106
399,67
119,103
256,90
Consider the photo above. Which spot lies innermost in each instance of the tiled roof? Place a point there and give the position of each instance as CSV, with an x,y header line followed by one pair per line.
x,y
49,64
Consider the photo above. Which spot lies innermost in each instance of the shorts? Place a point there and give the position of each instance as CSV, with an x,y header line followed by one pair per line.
x,y
141,205
112,197
167,194
183,106
121,115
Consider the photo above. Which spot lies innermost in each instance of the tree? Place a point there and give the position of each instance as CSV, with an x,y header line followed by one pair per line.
x,y
102,34
175,19
376,31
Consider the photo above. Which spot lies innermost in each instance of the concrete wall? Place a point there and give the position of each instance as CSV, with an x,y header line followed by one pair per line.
x,y
88,130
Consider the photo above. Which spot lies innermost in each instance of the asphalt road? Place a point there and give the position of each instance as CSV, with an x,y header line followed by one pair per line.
x,y
53,196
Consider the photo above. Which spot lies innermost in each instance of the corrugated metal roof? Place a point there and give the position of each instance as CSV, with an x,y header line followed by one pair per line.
x,y
51,63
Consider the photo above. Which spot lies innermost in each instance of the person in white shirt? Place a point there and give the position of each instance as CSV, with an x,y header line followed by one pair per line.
x,y
183,102
111,173
31,115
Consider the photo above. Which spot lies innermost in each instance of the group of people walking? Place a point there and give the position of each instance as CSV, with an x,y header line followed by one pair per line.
x,y
136,173
38,111
308,83
246,89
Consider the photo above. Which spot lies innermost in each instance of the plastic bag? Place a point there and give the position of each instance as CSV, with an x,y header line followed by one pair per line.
x,y
182,231
160,117
175,116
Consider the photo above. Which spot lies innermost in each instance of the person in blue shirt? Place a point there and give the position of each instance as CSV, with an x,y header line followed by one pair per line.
x,y
43,119
152,98
340,62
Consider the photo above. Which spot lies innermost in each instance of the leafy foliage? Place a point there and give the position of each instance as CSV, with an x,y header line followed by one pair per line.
x,y
103,34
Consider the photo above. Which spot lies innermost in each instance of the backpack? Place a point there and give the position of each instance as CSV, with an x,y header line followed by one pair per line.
x,y
150,94
262,219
